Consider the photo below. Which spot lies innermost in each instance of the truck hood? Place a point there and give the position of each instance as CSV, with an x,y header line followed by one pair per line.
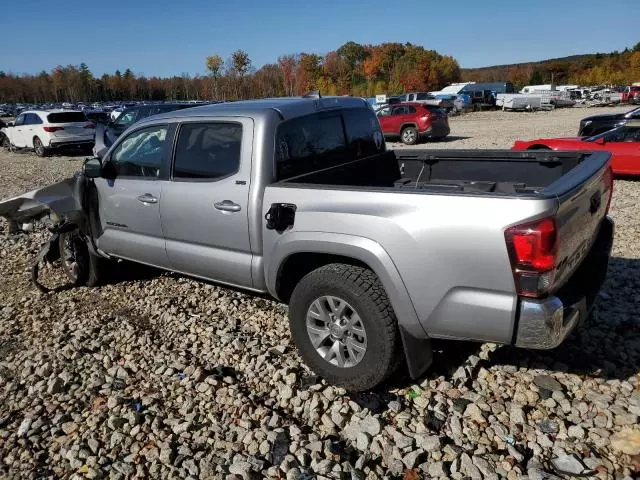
x,y
58,200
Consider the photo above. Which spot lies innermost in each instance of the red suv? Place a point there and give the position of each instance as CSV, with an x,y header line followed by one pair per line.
x,y
412,121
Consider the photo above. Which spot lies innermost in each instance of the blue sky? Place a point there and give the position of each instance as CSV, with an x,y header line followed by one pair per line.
x,y
163,37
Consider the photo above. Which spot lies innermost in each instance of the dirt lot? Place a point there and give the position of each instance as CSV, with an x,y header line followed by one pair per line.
x,y
158,376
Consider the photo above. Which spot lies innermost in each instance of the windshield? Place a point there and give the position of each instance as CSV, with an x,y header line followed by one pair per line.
x,y
126,118
620,134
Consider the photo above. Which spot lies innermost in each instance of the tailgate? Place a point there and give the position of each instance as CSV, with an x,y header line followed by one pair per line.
x,y
583,196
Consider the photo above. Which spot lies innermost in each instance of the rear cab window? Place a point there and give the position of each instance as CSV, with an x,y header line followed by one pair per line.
x,y
326,139
66,117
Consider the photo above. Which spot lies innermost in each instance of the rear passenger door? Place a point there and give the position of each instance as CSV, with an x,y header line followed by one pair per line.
x,y
204,207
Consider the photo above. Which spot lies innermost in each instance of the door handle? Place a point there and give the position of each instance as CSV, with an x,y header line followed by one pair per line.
x,y
227,206
147,198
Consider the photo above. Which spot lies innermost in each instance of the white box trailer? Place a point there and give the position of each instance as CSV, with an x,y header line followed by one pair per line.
x,y
518,101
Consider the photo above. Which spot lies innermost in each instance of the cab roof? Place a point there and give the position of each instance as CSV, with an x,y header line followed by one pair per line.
x,y
286,107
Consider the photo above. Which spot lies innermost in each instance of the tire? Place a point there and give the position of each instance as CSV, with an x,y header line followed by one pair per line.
x,y
369,312
6,143
38,147
81,267
538,147
409,135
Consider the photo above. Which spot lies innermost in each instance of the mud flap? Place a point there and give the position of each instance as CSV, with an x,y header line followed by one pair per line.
x,y
49,253
418,353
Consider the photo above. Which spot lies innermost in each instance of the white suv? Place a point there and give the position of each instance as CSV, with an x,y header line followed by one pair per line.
x,y
47,130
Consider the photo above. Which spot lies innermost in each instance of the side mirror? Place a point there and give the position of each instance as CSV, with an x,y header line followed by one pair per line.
x,y
92,168
601,141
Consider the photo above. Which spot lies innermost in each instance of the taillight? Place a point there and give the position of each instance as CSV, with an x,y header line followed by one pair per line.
x,y
90,125
533,248
52,129
608,181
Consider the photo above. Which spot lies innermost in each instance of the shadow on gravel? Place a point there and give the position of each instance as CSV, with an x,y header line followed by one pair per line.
x,y
124,271
61,152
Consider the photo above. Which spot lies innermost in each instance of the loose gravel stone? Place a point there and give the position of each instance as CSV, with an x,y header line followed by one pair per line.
x,y
154,375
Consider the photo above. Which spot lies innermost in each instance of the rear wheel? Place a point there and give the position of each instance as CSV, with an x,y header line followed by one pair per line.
x,y
344,327
409,135
38,147
79,264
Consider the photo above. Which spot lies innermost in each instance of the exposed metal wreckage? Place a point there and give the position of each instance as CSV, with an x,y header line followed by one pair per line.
x,y
64,205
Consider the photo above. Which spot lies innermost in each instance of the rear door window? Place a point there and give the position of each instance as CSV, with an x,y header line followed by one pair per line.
x,y
66,117
310,143
207,151
364,135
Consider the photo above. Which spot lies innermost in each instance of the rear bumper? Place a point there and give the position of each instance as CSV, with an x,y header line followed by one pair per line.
x,y
70,143
436,131
545,323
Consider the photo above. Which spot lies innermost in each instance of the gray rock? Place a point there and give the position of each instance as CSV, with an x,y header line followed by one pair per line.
x,y
166,456
568,464
371,425
241,468
468,468
115,422
24,426
548,426
547,382
402,441
55,386
515,453
626,419
474,413
362,441
437,469
517,415
429,443
286,392
576,431
411,459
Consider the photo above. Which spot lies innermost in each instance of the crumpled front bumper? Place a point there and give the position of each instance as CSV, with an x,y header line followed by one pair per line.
x,y
545,323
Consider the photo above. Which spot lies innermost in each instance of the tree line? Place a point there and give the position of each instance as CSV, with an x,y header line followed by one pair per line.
x,y
615,68
352,69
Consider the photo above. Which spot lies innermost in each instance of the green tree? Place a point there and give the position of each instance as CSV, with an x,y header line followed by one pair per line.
x,y
536,78
214,64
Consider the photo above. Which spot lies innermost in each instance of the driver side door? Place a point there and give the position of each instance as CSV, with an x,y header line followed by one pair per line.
x,y
625,150
129,203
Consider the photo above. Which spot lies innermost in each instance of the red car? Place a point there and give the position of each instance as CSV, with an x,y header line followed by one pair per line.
x,y
623,143
412,121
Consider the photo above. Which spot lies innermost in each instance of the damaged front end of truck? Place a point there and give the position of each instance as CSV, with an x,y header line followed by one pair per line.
x,y
64,208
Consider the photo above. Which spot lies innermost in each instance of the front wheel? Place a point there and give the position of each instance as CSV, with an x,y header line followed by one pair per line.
x,y
38,147
409,135
344,327
80,265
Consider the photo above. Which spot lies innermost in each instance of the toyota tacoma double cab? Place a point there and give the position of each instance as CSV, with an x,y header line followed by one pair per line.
x,y
376,252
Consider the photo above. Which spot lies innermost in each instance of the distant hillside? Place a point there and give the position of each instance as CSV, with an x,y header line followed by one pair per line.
x,y
619,68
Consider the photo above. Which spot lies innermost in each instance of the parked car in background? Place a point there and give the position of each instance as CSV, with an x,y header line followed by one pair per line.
x,y
44,131
107,134
631,94
376,252
623,142
597,124
412,122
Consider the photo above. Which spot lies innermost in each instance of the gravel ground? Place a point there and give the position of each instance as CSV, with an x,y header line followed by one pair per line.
x,y
158,376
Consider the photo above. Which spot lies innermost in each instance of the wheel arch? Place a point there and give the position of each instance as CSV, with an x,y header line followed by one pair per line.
x,y
303,252
408,124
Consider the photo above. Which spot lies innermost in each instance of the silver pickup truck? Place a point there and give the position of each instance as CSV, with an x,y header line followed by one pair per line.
x,y
376,252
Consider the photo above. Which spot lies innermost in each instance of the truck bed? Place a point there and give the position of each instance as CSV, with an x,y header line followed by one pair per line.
x,y
478,172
